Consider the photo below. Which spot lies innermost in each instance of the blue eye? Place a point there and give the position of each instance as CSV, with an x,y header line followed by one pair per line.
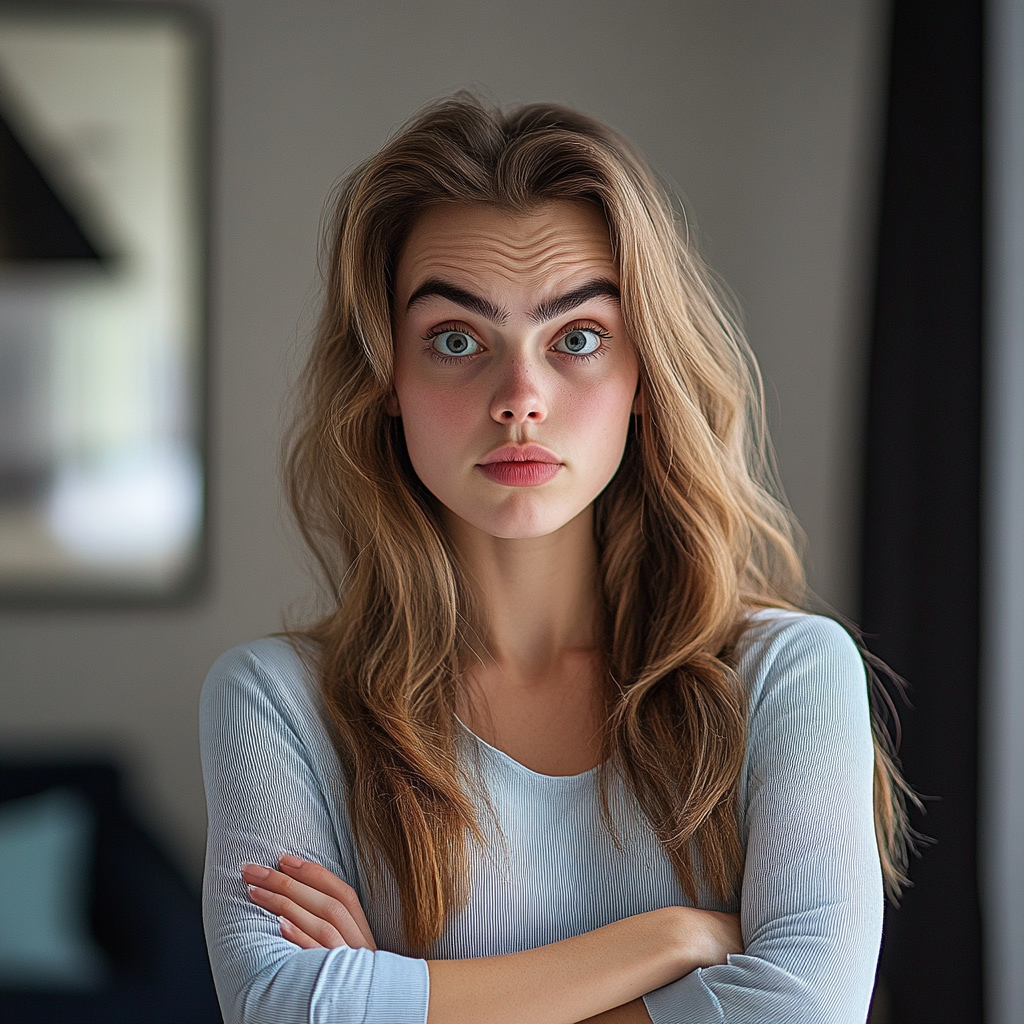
x,y
455,343
579,342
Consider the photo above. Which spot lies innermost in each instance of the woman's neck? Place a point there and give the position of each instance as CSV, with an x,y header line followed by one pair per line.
x,y
537,598
536,691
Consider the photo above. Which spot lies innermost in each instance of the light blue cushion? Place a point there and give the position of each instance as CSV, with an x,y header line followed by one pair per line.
x,y
45,853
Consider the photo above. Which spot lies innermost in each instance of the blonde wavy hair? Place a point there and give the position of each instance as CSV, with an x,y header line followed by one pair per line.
x,y
691,531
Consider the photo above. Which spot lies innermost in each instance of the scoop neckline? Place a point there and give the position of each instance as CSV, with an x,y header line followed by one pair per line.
x,y
519,766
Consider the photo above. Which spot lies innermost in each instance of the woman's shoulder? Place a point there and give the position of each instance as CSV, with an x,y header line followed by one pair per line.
x,y
267,675
795,655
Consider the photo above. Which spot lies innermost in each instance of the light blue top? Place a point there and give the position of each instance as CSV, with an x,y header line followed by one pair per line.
x,y
811,900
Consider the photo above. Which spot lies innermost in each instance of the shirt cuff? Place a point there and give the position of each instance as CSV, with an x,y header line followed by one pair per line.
x,y
400,991
686,1001
357,986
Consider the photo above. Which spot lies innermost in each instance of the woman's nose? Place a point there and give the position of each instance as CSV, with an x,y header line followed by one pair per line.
x,y
519,397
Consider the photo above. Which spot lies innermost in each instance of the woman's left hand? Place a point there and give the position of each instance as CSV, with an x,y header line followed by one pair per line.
x,y
317,910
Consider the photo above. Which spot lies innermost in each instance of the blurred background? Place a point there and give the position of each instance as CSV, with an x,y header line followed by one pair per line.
x,y
101,241
849,167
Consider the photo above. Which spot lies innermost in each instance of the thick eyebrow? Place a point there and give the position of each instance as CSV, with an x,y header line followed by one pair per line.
x,y
484,307
461,297
570,300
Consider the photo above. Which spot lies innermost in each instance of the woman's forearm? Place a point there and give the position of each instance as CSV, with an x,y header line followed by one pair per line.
x,y
634,1012
576,978
605,971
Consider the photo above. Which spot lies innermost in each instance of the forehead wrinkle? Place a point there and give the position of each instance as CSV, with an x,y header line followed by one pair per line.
x,y
553,239
472,271
546,259
541,241
511,237
509,256
474,258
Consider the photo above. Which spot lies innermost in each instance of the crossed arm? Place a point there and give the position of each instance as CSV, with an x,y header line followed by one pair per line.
x,y
811,895
599,975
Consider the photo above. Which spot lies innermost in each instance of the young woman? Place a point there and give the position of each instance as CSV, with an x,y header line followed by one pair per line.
x,y
563,746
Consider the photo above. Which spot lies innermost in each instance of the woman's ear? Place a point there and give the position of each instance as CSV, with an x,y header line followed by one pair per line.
x,y
391,406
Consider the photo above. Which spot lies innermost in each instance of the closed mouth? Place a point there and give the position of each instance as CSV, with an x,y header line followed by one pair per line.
x,y
520,453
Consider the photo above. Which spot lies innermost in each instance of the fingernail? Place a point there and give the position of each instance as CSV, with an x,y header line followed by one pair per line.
x,y
257,893
255,871
288,861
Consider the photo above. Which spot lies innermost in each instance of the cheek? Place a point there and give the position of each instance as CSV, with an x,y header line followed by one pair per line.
x,y
435,420
601,418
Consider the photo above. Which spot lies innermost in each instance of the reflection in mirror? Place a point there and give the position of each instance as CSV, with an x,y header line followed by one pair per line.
x,y
101,301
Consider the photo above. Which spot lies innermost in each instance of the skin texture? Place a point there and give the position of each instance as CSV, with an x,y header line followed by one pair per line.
x,y
487,364
517,386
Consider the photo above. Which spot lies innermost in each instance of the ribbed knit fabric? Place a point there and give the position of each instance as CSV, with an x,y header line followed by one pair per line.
x,y
811,900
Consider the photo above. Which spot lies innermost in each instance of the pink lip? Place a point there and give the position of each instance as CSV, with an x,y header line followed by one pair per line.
x,y
520,453
520,465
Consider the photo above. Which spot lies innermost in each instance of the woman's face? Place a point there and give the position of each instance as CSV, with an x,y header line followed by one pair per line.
x,y
514,377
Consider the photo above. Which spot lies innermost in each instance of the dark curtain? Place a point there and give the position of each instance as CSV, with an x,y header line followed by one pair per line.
x,y
921,548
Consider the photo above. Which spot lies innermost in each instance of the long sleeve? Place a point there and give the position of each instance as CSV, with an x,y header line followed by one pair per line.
x,y
811,902
267,793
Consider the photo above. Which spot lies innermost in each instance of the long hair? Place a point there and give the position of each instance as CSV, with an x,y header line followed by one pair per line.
x,y
691,531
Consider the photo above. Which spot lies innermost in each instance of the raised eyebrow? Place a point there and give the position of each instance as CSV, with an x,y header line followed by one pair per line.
x,y
445,290
570,300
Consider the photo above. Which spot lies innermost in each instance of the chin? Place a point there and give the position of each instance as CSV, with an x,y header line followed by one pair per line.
x,y
530,531
521,519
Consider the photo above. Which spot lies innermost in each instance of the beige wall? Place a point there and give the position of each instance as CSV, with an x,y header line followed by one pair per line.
x,y
762,114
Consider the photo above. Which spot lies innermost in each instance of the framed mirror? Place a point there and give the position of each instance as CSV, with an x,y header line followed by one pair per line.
x,y
103,241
